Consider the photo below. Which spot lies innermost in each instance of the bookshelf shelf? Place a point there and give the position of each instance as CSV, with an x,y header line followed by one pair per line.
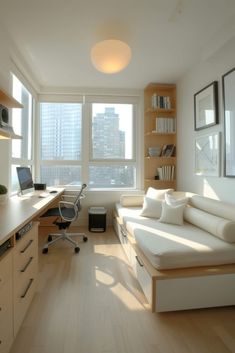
x,y
160,184
161,158
159,133
159,105
159,111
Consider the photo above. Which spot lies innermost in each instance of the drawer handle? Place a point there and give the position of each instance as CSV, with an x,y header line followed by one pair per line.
x,y
139,262
29,243
27,289
27,265
123,233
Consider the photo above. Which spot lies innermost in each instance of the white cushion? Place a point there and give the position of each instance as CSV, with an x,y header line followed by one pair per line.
x,y
172,214
220,227
157,194
168,246
172,201
131,200
151,208
215,207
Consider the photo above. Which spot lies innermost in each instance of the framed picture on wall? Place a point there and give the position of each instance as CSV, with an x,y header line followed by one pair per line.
x,y
228,85
207,154
206,106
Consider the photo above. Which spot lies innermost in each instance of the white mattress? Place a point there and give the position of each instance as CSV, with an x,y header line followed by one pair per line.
x,y
170,246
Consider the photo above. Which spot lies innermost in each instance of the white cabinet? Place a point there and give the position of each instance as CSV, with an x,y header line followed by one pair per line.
x,y
25,269
18,277
144,278
122,235
6,309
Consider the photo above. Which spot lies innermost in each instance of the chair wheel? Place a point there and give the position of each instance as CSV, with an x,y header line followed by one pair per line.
x,y
77,249
85,239
49,238
45,250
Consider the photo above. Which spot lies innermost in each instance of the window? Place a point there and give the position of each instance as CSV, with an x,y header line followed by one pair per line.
x,y
22,125
92,142
61,134
111,141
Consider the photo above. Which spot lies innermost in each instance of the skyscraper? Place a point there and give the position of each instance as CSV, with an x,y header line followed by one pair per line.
x,y
108,141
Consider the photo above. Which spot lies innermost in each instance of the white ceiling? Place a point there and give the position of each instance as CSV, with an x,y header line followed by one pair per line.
x,y
54,37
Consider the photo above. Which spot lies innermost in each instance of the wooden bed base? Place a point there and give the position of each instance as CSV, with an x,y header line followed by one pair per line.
x,y
179,289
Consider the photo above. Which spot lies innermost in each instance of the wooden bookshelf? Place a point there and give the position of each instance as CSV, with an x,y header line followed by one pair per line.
x,y
159,131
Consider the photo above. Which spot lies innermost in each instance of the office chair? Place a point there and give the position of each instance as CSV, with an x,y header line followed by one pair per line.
x,y
67,212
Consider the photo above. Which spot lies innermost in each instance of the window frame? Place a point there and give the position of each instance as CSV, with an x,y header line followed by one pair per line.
x,y
86,160
21,161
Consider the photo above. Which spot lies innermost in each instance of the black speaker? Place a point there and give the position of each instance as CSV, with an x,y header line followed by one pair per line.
x,y
38,186
4,116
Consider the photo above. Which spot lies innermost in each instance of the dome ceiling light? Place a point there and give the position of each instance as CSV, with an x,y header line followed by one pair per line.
x,y
110,56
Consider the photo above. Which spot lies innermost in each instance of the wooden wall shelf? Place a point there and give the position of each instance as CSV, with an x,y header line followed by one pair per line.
x,y
8,101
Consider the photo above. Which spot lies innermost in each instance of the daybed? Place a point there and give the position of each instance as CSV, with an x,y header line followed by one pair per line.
x,y
182,249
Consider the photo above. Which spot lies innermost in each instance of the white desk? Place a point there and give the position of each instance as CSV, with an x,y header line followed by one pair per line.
x,y
19,263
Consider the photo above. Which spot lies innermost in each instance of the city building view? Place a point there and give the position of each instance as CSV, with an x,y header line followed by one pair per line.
x,y
61,142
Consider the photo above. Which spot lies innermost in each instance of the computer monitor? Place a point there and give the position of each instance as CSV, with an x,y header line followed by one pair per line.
x,y
25,179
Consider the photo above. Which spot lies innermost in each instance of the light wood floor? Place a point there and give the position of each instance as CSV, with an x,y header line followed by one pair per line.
x,y
91,303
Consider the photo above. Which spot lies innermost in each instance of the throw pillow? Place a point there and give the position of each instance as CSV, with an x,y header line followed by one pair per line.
x,y
151,208
172,201
158,194
172,214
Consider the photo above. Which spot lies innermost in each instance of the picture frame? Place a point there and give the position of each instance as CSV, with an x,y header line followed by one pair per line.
x,y
206,107
207,154
168,150
228,91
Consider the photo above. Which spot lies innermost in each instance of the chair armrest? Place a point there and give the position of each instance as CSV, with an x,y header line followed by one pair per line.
x,y
67,203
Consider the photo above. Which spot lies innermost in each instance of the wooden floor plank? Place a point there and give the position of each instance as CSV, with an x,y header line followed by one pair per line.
x,y
91,303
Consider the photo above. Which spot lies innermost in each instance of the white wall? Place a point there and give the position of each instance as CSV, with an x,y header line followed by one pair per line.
x,y
5,85
199,76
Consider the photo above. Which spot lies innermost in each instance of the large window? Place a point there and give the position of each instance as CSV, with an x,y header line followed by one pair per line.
x,y
61,134
112,141
22,125
92,142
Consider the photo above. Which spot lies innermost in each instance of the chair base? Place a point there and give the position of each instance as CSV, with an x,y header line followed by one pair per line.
x,y
54,237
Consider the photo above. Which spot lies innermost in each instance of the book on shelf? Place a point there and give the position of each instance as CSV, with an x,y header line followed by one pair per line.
x,y
154,151
168,150
166,172
165,125
161,102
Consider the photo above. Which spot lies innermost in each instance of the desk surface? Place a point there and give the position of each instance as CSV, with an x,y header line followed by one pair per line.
x,y
19,210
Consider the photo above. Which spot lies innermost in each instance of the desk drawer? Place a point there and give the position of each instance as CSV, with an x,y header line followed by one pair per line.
x,y
25,252
21,277
24,289
23,244
25,274
23,258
